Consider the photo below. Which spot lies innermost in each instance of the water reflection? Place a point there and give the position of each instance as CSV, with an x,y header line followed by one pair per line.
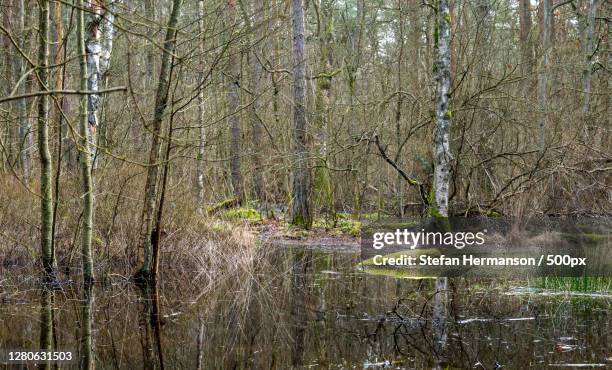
x,y
86,348
46,323
303,308
150,327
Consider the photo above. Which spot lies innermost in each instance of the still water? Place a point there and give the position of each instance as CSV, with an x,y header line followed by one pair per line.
x,y
308,308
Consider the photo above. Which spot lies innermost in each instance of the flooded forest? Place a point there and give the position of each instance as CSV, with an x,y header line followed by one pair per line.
x,y
194,184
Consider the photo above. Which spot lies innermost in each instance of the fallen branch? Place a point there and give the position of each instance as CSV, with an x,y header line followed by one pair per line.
x,y
402,173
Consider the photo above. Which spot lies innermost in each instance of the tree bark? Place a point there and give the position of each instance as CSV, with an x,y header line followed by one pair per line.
x,y
84,146
161,100
201,111
233,103
46,197
300,214
98,45
255,108
442,154
399,37
544,70
25,125
525,38
323,187
588,55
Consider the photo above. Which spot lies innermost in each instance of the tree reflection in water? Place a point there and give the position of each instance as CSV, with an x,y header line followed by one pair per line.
x,y
306,308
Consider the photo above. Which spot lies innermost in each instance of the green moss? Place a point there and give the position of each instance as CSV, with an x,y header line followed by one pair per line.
x,y
224,204
350,227
242,213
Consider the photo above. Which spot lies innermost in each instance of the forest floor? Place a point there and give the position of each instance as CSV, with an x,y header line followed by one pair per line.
x,y
340,233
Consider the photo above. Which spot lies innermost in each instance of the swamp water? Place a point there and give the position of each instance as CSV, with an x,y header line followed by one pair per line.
x,y
310,308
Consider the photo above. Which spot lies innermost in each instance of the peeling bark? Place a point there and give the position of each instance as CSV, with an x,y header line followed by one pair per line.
x,y
442,154
98,46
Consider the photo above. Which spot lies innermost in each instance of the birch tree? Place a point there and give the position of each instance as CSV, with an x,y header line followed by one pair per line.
x,y
442,157
98,46
85,156
161,101
442,154
300,214
46,196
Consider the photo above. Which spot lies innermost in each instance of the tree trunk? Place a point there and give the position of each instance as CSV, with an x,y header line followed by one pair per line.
x,y
399,37
46,197
442,154
107,29
25,126
161,101
543,71
526,45
588,55
98,45
201,132
300,214
149,57
255,108
233,103
84,146
323,188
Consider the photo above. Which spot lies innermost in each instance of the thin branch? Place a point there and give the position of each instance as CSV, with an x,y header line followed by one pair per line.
x,y
65,92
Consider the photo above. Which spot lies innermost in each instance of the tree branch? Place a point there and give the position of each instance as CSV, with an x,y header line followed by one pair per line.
x,y
58,92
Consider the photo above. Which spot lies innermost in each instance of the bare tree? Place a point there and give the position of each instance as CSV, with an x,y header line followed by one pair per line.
x,y
84,140
525,39
233,104
255,84
201,111
161,101
442,154
588,54
544,70
25,126
46,196
300,214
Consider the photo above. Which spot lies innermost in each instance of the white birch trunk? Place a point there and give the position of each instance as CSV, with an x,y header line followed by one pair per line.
x,y
442,153
98,47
